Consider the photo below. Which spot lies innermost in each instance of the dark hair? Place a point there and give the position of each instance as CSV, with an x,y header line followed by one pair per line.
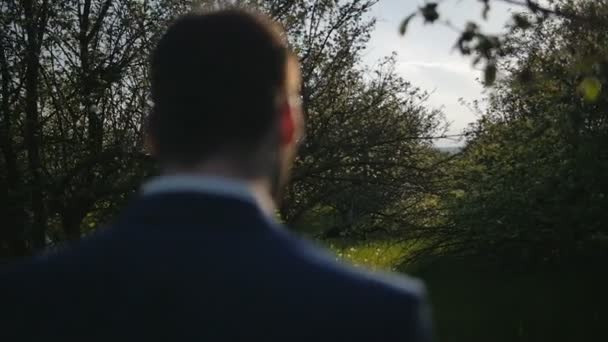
x,y
216,78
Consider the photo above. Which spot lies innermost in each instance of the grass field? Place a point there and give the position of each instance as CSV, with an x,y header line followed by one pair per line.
x,y
473,303
476,304
376,255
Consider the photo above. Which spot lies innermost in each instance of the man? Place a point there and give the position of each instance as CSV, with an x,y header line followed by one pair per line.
x,y
198,255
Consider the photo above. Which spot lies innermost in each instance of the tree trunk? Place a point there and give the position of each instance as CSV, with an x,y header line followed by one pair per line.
x,y
13,209
71,225
35,25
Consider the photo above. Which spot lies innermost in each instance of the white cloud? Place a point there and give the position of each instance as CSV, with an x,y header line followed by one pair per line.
x,y
425,55
458,68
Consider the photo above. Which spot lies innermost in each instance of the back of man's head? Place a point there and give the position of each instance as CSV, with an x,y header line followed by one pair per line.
x,y
217,79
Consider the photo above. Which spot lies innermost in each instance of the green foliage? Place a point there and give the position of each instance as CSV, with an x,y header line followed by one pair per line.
x,y
491,48
429,12
591,88
368,149
530,186
72,129
385,255
405,23
73,102
473,302
490,74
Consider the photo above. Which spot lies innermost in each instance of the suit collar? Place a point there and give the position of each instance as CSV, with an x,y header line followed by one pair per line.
x,y
195,210
212,185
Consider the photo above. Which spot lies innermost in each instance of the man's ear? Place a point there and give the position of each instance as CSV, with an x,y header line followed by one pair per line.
x,y
150,142
150,145
287,125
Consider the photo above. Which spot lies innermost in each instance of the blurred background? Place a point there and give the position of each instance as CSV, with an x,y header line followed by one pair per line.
x,y
464,142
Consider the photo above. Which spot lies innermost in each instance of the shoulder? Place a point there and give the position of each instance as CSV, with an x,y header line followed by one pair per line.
x,y
394,303
22,276
53,282
58,262
23,285
322,262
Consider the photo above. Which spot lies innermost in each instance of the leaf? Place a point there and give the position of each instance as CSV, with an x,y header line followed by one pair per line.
x,y
533,6
521,22
476,60
429,12
591,88
525,75
490,74
405,22
585,65
486,9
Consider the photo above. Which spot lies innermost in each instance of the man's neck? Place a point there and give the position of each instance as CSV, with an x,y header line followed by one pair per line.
x,y
261,192
258,188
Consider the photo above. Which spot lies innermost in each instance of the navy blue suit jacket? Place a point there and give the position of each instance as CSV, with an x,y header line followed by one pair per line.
x,y
200,267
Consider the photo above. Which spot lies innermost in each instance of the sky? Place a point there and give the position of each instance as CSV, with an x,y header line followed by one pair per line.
x,y
425,55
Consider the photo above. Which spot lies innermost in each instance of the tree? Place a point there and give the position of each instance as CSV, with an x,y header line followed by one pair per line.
x,y
25,93
490,49
74,102
74,92
368,133
531,184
